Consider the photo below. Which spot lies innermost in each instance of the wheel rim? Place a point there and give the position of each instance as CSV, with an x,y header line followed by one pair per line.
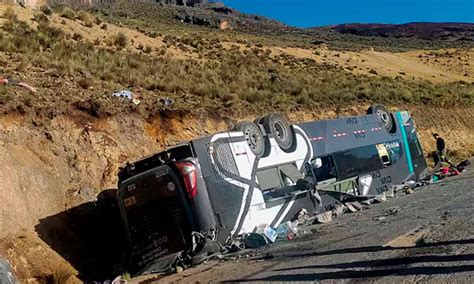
x,y
252,139
280,130
384,117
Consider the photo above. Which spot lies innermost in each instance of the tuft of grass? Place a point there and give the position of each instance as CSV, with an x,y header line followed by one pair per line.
x,y
162,50
10,14
120,40
60,276
86,18
46,10
40,18
148,49
97,20
68,13
77,36
85,83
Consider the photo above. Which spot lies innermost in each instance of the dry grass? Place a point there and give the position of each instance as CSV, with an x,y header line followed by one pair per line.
x,y
223,80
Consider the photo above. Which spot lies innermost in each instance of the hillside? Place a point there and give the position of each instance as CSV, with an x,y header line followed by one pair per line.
x,y
426,31
62,146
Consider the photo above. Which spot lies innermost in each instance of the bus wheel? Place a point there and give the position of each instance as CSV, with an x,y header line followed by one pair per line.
x,y
280,128
385,117
253,137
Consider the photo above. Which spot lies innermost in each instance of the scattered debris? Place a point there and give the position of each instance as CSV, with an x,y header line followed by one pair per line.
x,y
351,208
324,217
462,165
135,98
13,82
338,210
287,230
6,275
119,280
380,198
267,231
254,240
302,216
392,211
410,239
166,101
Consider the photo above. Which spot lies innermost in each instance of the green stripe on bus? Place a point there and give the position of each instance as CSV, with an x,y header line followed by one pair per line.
x,y
405,142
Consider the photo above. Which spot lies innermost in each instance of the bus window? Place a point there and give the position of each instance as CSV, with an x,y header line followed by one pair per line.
x,y
326,171
415,147
357,161
285,175
269,178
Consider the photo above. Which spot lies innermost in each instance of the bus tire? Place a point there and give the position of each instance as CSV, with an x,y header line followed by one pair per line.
x,y
280,128
253,137
384,116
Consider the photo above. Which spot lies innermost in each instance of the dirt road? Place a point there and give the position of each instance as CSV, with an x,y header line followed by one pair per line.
x,y
424,236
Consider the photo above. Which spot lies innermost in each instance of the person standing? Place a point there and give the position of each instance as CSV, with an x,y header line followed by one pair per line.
x,y
441,149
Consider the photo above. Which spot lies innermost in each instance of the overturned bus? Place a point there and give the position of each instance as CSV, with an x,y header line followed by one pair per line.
x,y
258,173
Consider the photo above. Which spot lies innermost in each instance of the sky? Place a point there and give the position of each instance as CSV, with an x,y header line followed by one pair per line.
x,y
311,13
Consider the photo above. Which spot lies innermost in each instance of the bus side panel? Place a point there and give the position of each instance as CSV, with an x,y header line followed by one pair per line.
x,y
226,198
333,136
418,159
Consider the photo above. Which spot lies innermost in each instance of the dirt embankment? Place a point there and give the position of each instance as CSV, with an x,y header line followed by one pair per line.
x,y
49,167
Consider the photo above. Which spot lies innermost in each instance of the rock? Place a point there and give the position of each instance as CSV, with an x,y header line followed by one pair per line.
x,y
224,25
409,191
183,2
195,20
392,211
324,217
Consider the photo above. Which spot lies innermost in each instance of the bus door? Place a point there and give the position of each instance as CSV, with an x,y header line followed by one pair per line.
x,y
418,159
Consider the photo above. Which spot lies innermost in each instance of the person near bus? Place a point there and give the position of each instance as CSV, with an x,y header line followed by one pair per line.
x,y
441,150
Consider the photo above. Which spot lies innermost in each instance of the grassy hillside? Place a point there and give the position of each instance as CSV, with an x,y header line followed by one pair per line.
x,y
205,75
63,145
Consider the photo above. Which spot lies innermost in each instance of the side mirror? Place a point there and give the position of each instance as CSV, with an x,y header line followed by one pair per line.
x,y
317,163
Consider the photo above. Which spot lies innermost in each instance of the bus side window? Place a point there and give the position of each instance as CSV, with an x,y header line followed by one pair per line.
x,y
327,169
415,147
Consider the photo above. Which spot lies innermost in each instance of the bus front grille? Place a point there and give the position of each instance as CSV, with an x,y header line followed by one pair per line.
x,y
157,216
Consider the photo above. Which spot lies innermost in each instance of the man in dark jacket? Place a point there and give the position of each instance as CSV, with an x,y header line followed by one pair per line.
x,y
441,149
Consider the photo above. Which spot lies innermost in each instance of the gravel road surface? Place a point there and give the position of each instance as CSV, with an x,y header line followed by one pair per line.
x,y
426,236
